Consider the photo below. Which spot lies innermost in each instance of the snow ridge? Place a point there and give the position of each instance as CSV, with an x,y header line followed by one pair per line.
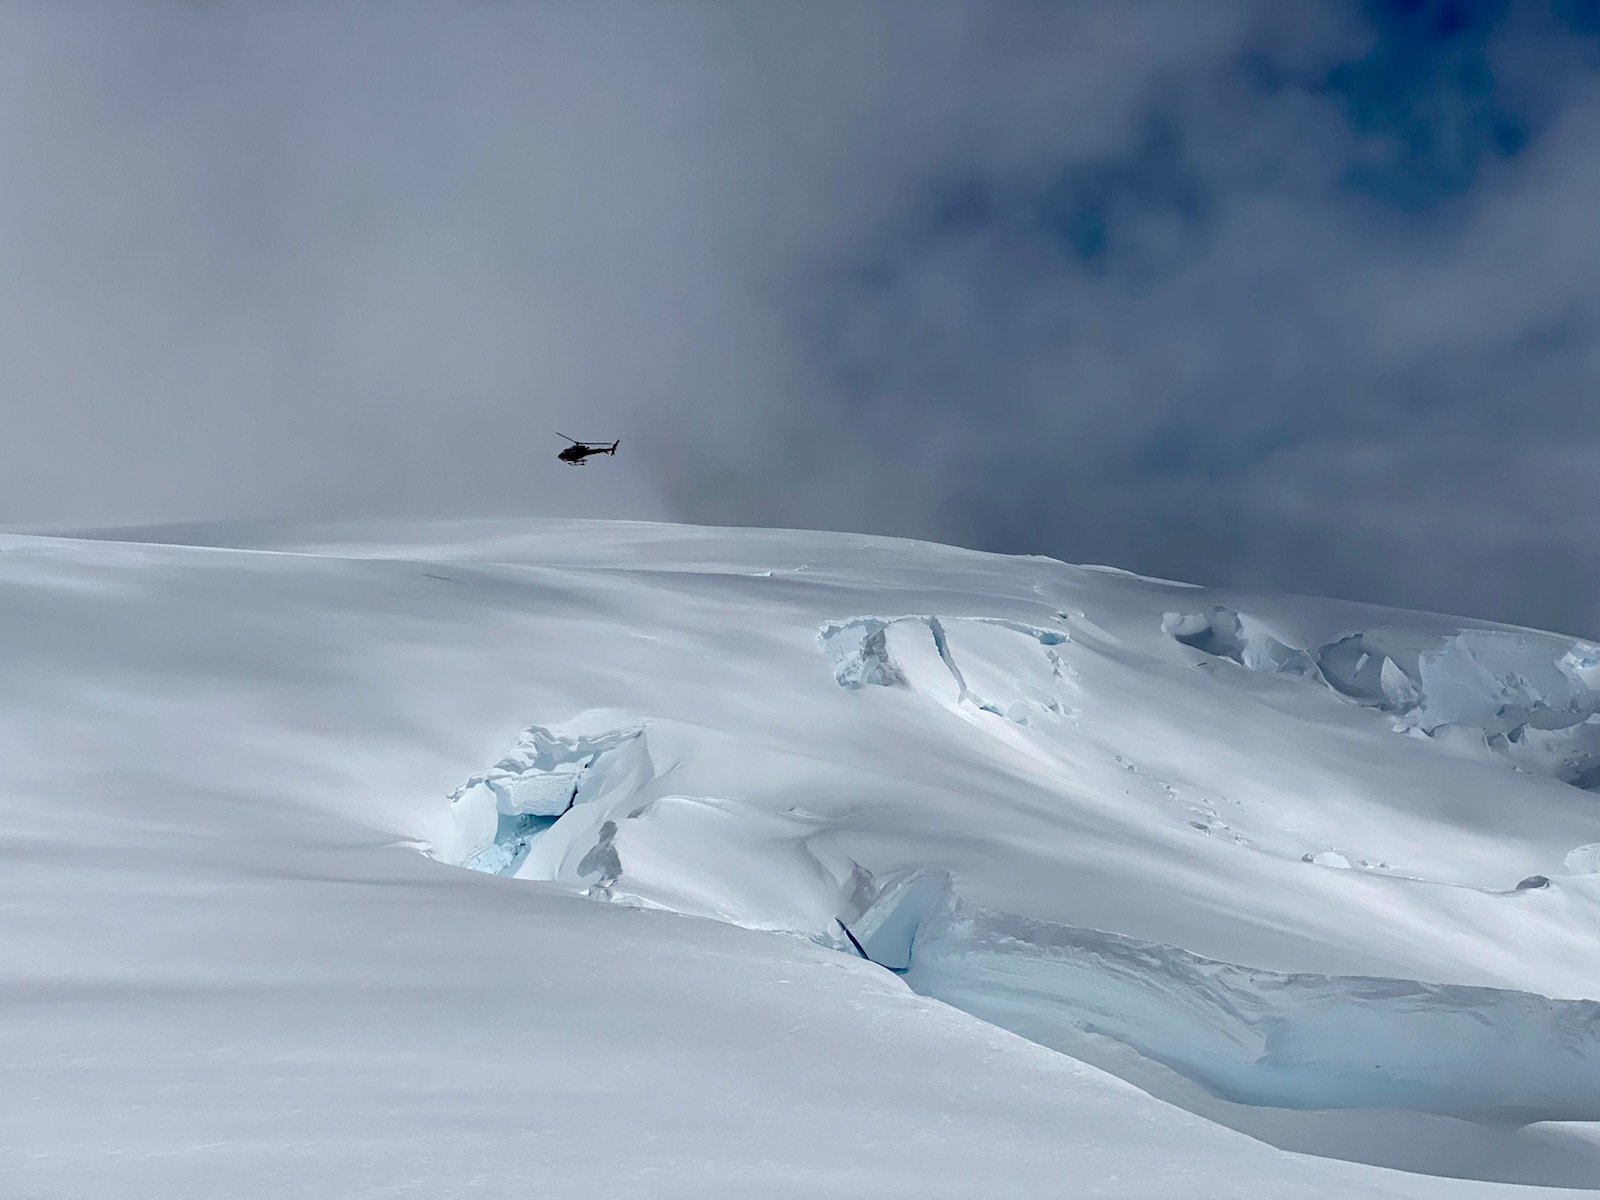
x,y
1532,697
863,651
580,809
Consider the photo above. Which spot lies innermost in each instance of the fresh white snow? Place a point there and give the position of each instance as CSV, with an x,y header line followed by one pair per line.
x,y
540,858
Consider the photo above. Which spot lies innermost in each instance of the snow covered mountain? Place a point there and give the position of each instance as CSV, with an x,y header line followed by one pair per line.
x,y
511,859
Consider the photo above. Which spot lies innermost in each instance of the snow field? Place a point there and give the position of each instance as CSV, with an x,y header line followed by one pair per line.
x,y
233,972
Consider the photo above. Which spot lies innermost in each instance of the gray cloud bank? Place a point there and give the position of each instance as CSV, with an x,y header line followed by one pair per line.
x,y
1297,299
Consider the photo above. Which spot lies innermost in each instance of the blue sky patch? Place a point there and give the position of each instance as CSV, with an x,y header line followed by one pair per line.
x,y
1426,98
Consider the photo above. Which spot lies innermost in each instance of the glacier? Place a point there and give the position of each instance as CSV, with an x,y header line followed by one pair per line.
x,y
1533,697
574,858
1300,1041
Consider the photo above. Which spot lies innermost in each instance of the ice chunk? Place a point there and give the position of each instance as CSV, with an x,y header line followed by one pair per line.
x,y
1531,696
499,814
513,836
1014,671
1400,691
1376,667
859,652
1571,755
1582,664
1499,682
1005,667
1585,860
1222,632
888,929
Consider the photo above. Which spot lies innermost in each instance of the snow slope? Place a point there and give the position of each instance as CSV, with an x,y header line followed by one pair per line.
x,y
534,859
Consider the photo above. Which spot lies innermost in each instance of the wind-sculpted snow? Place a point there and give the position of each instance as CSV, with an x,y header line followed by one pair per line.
x,y
1533,697
1264,1038
716,857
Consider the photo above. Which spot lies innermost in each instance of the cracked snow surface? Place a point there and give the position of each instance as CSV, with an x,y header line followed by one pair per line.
x,y
612,859
1534,698
1228,1040
1244,1035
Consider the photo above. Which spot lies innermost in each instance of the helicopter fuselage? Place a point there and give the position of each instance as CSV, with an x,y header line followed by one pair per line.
x,y
576,453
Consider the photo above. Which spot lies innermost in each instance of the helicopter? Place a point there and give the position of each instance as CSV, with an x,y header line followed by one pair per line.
x,y
576,453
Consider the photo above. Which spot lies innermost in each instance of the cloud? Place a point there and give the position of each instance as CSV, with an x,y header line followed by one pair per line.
x,y
286,259
1304,326
1297,300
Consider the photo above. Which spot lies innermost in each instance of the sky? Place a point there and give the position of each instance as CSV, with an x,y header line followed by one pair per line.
x,y
1292,297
